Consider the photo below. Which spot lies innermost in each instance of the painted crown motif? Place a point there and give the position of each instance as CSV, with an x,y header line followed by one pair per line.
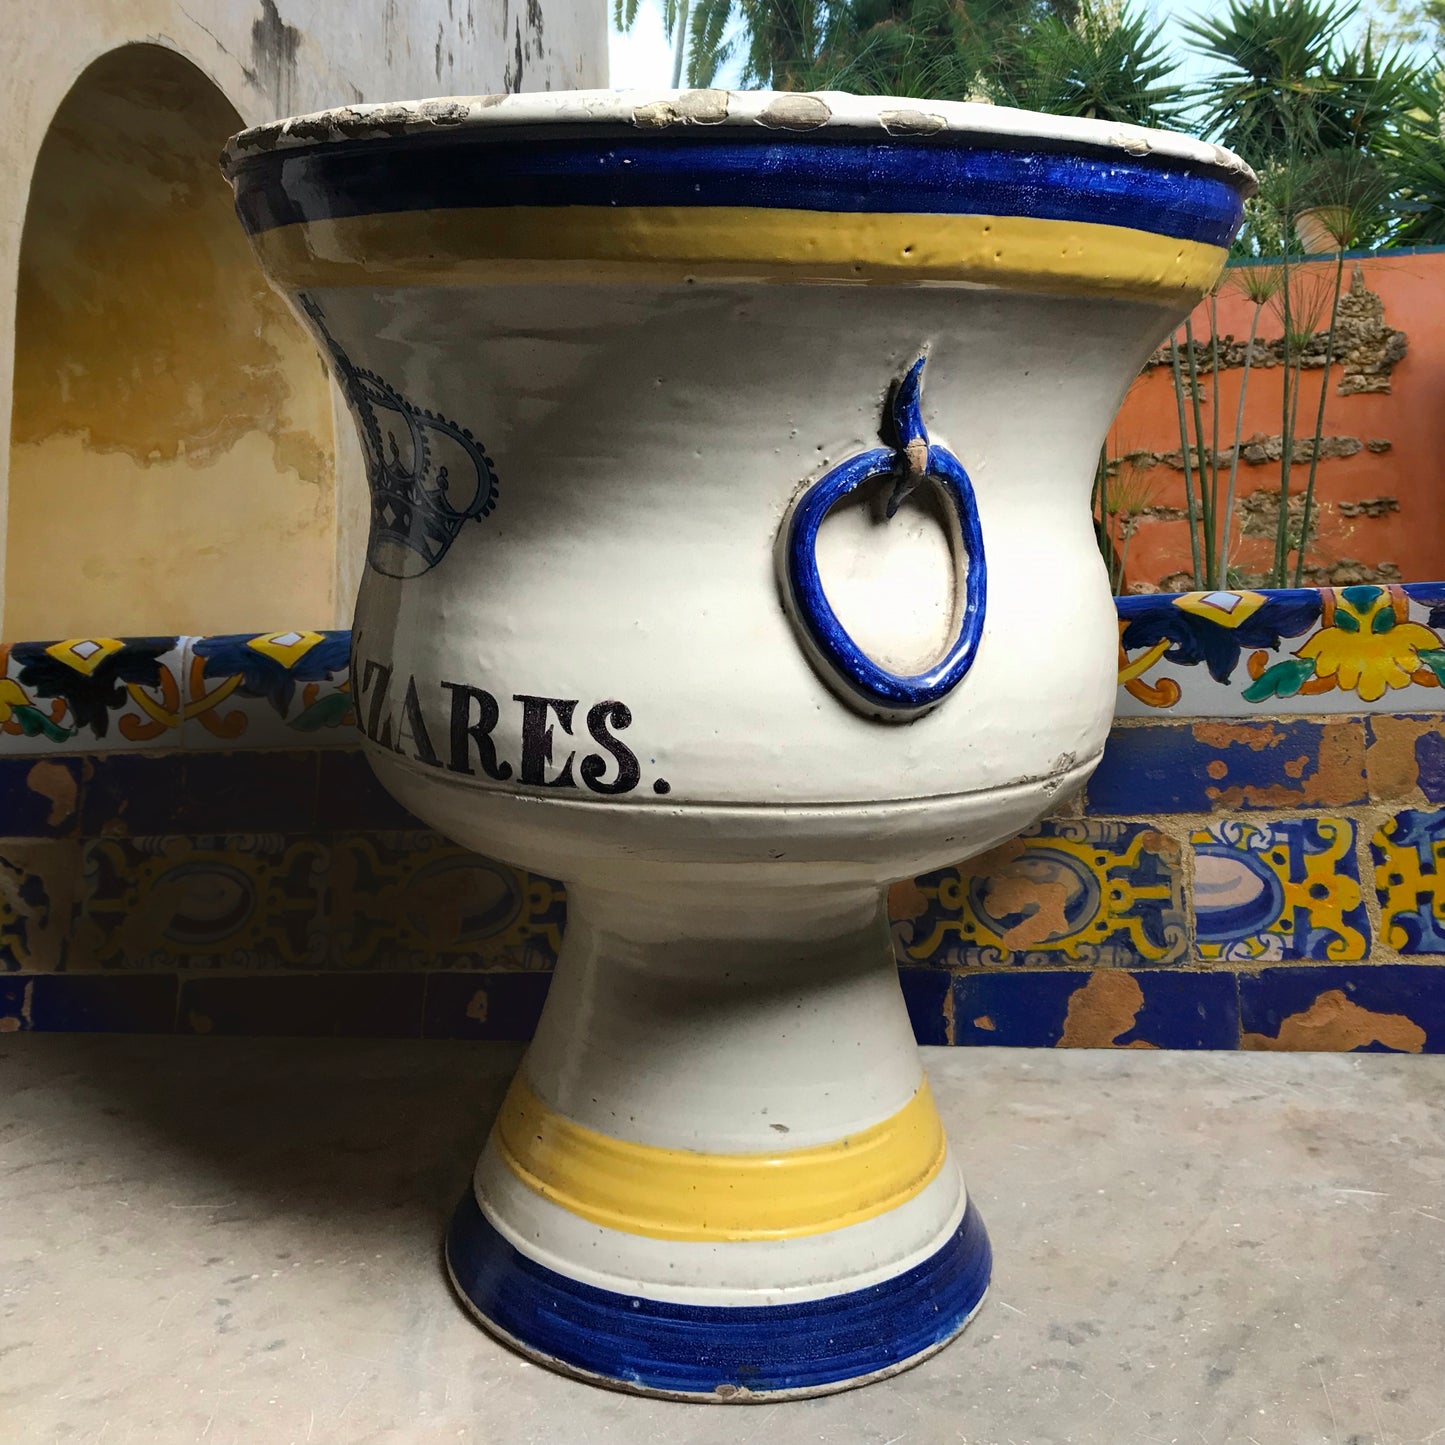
x,y
428,476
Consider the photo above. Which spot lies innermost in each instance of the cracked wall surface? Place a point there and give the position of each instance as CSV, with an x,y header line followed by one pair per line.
x,y
254,61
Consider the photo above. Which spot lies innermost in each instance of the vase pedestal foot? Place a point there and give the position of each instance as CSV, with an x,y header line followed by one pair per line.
x,y
719,1173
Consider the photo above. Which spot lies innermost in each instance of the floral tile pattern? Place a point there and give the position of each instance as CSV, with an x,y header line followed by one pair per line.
x,y
269,690
90,693
1409,854
1278,890
106,694
1302,650
1082,892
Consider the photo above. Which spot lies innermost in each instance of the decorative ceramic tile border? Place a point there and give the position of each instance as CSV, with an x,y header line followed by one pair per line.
x,y
1305,650
109,694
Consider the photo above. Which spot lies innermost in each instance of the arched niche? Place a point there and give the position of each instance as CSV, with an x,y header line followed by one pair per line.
x,y
171,444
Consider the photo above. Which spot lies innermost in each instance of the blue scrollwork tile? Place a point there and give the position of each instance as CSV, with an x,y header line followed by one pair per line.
x,y
1408,851
415,900
210,902
1278,890
1066,891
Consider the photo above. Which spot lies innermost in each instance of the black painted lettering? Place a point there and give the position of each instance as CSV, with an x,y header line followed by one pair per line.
x,y
465,731
619,715
378,717
413,729
537,739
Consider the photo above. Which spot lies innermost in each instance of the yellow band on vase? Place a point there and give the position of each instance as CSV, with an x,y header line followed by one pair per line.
x,y
683,1194
519,244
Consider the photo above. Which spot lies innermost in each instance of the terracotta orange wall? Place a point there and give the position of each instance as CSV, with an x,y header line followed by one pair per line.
x,y
1411,417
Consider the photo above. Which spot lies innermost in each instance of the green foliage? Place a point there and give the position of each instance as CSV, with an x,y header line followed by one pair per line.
x,y
1107,63
1414,159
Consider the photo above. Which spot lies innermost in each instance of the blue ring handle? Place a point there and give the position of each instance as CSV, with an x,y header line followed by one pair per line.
x,y
893,697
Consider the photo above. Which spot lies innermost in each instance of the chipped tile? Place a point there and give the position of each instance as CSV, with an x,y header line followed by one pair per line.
x,y
1106,1008
1212,765
39,797
503,1006
1373,1008
927,995
143,1003
1081,892
38,880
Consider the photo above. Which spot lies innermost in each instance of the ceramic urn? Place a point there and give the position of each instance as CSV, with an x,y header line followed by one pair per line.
x,y
730,557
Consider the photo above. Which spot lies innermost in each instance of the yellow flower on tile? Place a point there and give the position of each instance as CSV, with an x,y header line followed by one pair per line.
x,y
1367,649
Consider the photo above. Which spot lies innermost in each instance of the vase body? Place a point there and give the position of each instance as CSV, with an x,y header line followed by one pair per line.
x,y
731,557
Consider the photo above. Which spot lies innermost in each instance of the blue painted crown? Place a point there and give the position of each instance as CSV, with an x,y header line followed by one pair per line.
x,y
427,475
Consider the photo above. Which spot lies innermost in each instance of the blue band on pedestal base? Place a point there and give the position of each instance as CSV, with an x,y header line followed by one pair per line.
x,y
713,1351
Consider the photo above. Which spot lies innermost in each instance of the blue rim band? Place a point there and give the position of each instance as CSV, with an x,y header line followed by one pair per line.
x,y
426,173
850,666
692,1349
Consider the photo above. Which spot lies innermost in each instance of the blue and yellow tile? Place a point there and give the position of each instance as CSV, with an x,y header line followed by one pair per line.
x,y
1408,851
269,690
90,694
1278,890
1064,892
209,902
415,900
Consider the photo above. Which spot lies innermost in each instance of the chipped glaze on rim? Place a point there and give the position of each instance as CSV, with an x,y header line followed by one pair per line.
x,y
755,187
776,111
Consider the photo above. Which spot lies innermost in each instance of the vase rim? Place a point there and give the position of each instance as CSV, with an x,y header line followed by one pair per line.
x,y
779,115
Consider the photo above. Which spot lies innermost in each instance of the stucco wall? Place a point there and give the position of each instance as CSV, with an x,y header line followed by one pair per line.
x,y
1378,485
169,463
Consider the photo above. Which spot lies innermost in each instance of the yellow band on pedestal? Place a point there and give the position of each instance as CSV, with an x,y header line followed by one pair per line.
x,y
686,1195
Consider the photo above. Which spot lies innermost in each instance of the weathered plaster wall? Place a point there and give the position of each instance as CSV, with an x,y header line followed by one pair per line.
x,y
1379,478
167,462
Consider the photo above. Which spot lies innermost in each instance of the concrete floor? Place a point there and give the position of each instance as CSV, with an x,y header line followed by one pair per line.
x,y
234,1242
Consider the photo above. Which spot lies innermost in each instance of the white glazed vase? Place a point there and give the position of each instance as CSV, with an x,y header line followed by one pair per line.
x,y
731,557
